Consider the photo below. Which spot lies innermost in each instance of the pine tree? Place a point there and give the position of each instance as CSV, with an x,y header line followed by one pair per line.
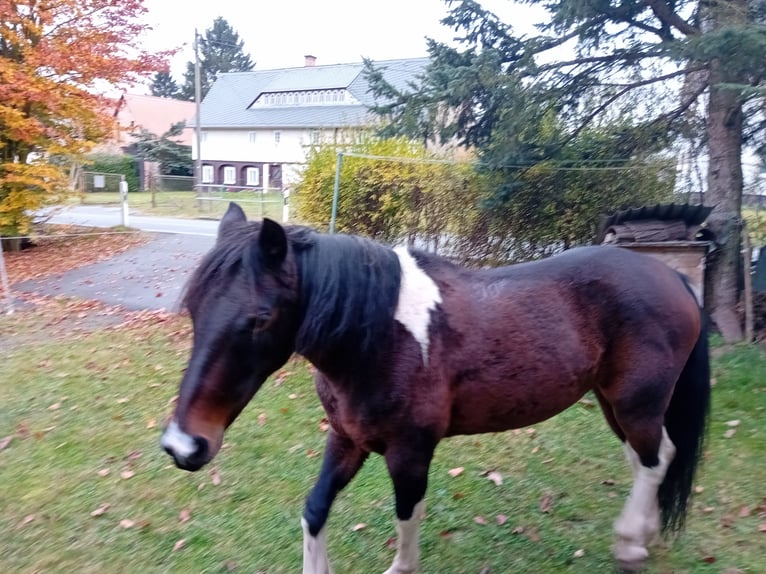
x,y
696,67
220,50
164,86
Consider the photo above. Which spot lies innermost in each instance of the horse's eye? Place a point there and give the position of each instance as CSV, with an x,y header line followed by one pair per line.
x,y
261,320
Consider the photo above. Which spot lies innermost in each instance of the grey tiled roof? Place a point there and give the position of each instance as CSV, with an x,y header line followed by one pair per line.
x,y
227,104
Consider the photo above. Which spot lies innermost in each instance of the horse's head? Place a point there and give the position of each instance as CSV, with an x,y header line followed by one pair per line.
x,y
243,301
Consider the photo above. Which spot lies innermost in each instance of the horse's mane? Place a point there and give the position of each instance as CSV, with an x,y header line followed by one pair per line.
x,y
349,286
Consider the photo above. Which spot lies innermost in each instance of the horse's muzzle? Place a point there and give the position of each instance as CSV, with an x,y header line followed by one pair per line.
x,y
189,452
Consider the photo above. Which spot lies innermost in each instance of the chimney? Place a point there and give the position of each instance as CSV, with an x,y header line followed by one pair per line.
x,y
309,60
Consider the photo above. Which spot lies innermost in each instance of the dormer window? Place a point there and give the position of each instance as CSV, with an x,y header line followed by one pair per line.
x,y
304,98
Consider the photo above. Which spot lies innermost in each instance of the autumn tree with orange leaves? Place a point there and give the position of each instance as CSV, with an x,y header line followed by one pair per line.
x,y
56,56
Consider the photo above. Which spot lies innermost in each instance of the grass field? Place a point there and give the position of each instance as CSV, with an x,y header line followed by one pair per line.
x,y
186,204
86,489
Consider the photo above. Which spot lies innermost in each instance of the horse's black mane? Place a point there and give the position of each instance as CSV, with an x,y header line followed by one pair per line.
x,y
349,286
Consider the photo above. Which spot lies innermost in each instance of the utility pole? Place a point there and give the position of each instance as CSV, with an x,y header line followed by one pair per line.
x,y
197,126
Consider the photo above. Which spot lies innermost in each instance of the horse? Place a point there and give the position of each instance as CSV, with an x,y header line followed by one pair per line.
x,y
410,348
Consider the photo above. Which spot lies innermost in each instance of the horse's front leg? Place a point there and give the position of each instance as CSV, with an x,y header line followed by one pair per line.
x,y
408,466
342,460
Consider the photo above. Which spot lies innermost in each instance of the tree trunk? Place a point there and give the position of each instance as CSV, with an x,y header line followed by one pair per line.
x,y
724,191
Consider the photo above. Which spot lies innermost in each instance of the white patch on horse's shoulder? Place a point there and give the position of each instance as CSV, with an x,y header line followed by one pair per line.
x,y
177,440
418,296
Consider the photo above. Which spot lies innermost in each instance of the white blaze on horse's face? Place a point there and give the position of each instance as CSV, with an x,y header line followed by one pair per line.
x,y
418,296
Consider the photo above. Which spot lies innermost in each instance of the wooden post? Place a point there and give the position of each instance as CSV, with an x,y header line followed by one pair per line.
x,y
747,256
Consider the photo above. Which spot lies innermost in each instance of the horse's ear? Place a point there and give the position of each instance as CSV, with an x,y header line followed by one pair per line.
x,y
272,242
233,216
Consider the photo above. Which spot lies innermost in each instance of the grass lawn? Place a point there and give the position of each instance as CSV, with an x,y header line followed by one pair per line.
x,y
85,487
185,203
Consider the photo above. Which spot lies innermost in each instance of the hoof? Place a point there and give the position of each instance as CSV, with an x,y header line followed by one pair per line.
x,y
630,566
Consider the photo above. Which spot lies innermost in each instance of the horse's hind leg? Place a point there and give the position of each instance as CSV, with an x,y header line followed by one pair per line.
x,y
342,460
649,450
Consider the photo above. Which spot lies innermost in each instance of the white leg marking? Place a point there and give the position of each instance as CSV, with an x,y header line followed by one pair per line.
x,y
407,542
639,522
177,441
314,551
418,295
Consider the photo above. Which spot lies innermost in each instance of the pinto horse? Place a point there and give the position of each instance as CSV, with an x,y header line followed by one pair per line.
x,y
410,348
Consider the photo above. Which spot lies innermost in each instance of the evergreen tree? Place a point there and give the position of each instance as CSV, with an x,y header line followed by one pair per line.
x,y
220,50
164,86
174,158
674,57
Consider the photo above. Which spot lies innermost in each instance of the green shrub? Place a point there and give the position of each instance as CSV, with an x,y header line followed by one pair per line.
x,y
121,164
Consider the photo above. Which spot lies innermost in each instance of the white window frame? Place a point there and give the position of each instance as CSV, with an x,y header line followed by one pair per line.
x,y
277,137
229,175
207,174
252,176
252,137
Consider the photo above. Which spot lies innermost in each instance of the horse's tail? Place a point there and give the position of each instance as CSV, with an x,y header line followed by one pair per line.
x,y
686,422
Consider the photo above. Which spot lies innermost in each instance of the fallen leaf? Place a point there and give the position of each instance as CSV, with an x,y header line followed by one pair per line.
x,y
744,512
762,527
135,455
495,477
453,472
391,543
501,519
151,423
127,523
179,544
546,503
27,519
230,565
261,419
533,535
708,509
733,423
311,453
699,489
215,477
184,515
324,425
358,527
480,520
730,433
100,510
54,407
5,441
608,481
103,472
518,530
292,396
579,553
126,474
458,496
709,559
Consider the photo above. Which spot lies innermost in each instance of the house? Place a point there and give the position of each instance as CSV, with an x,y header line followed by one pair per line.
x,y
133,113
257,127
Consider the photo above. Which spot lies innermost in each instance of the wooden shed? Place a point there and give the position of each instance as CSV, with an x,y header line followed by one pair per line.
x,y
671,232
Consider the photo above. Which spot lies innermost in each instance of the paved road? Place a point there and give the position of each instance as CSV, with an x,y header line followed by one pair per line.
x,y
151,276
101,216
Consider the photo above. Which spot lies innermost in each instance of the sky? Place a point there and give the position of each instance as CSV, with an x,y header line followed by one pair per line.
x,y
279,33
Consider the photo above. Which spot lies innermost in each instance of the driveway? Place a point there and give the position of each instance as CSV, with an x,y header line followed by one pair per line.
x,y
151,276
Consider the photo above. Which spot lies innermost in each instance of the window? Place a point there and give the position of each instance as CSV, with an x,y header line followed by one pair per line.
x,y
229,175
316,137
253,176
203,136
251,136
277,137
207,174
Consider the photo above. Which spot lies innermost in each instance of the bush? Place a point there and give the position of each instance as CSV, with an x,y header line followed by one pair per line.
x,y
121,164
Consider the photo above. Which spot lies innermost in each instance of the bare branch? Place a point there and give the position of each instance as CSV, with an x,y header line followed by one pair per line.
x,y
666,15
